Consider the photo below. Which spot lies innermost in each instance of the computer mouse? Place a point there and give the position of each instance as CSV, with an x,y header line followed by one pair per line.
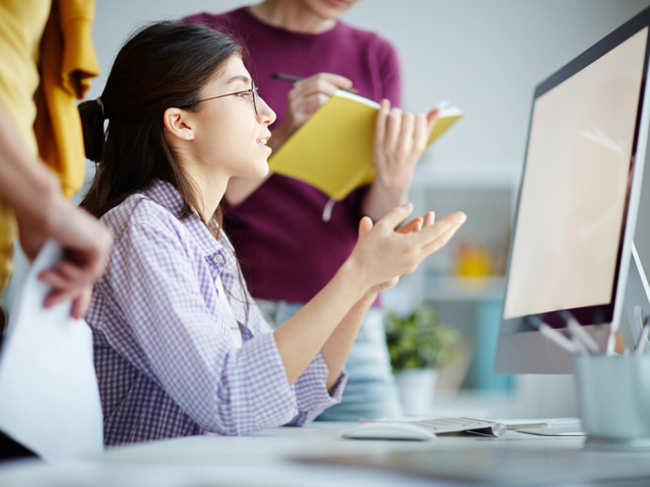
x,y
388,430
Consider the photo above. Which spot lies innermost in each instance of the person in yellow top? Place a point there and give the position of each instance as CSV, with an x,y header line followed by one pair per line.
x,y
46,62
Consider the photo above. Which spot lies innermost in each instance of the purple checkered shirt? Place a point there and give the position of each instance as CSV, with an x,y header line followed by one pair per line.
x,y
166,362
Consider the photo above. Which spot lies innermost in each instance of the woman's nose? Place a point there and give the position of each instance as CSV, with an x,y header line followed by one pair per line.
x,y
266,115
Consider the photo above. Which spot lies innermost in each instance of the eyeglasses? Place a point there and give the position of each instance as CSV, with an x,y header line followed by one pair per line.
x,y
251,92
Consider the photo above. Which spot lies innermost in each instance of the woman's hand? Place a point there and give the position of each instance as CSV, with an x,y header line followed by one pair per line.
x,y
400,139
415,225
308,95
86,244
383,254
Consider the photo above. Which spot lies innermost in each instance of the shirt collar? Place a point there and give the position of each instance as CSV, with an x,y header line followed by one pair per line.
x,y
166,195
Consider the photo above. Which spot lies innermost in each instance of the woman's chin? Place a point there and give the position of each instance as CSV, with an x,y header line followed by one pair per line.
x,y
262,169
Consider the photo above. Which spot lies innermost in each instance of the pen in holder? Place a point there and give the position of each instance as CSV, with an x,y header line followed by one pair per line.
x,y
614,399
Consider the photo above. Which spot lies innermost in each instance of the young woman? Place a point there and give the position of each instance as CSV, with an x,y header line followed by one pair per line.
x,y
308,38
180,347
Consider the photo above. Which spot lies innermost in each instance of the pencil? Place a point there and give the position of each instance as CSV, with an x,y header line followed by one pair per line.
x,y
293,79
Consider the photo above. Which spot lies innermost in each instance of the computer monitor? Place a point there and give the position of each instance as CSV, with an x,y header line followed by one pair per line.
x,y
573,244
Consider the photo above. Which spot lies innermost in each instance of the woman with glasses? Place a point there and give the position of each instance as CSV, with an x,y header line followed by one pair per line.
x,y
315,234
180,347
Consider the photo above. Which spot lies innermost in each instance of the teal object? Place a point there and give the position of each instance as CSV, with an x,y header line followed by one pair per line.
x,y
488,322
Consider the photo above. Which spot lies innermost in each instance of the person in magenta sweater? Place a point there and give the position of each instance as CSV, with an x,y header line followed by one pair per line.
x,y
290,237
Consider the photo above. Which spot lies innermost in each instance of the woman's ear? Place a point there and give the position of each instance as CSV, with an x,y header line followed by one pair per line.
x,y
178,123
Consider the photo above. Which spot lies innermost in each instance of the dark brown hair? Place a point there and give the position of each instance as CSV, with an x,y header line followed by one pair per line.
x,y
163,65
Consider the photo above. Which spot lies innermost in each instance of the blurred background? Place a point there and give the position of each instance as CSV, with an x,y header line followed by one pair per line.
x,y
485,57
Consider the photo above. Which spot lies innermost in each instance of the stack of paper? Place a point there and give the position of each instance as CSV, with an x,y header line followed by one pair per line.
x,y
49,399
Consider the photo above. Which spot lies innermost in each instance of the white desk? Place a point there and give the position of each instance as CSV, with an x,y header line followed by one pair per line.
x,y
265,459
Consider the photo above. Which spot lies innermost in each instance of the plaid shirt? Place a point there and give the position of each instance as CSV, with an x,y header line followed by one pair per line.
x,y
166,361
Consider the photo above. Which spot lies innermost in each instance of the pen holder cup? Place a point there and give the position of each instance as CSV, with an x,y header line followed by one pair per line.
x,y
614,399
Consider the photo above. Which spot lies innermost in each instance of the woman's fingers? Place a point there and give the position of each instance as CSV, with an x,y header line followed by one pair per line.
x,y
309,94
432,117
395,216
310,103
66,274
393,127
388,284
429,218
365,225
81,303
440,242
405,140
57,296
380,125
54,278
326,83
420,135
71,272
68,282
430,233
412,226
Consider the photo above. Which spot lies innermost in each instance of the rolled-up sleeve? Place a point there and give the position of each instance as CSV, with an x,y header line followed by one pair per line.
x,y
312,396
157,284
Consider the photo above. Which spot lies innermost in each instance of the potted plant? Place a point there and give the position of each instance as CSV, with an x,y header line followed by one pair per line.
x,y
418,345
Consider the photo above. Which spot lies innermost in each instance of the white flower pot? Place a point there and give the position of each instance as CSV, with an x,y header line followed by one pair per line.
x,y
415,388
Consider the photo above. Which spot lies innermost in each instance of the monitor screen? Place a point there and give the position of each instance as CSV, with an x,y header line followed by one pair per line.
x,y
572,208
570,218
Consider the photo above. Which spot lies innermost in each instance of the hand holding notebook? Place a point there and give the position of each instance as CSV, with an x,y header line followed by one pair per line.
x,y
333,150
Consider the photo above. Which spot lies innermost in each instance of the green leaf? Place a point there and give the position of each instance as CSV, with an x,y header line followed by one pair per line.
x,y
418,340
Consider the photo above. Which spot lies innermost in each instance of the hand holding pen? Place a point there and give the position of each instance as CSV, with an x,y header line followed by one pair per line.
x,y
308,95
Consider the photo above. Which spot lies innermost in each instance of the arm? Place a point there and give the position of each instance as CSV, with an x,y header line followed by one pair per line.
x,y
169,329
338,345
308,331
188,350
400,139
25,184
42,212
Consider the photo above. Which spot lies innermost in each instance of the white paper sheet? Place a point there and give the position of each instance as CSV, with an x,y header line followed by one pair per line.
x,y
49,399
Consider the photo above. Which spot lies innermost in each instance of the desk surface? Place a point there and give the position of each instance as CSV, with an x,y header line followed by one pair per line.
x,y
266,459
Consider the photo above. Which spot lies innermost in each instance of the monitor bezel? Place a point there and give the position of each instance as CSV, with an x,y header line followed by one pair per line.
x,y
521,348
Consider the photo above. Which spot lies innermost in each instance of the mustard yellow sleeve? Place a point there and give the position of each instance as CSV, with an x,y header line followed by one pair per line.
x,y
68,62
21,28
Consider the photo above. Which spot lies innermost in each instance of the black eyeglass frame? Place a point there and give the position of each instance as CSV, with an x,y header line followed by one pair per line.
x,y
252,91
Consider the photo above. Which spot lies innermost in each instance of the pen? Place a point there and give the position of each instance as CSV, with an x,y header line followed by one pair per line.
x,y
293,79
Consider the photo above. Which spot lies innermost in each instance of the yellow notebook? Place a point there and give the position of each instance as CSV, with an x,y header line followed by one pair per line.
x,y
333,149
